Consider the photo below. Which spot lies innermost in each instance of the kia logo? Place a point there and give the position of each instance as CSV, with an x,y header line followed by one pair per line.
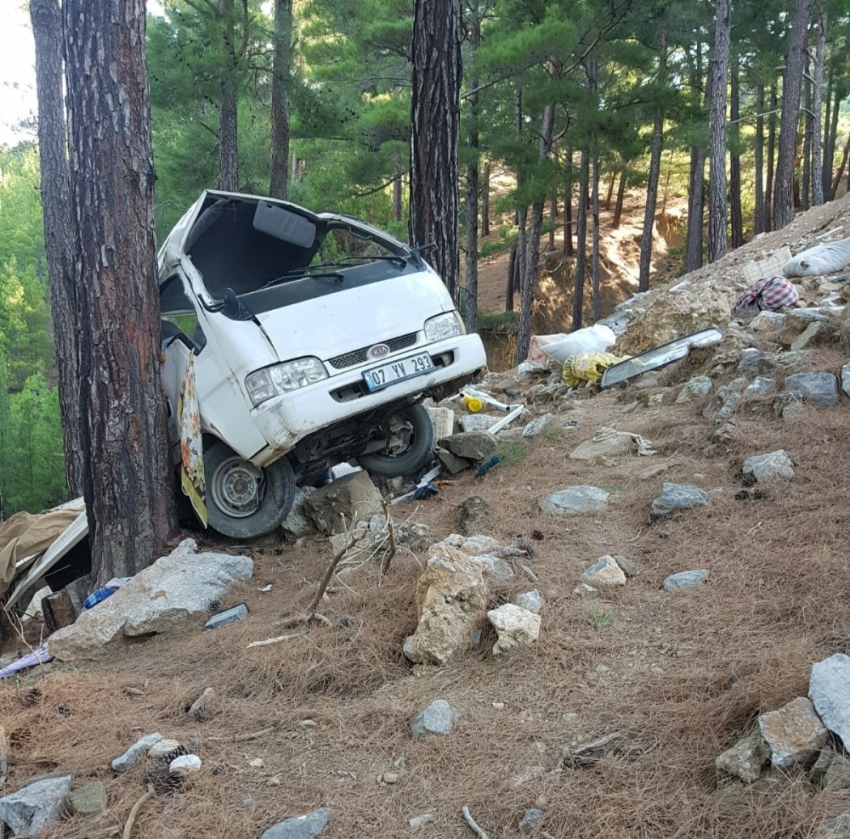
x,y
379,351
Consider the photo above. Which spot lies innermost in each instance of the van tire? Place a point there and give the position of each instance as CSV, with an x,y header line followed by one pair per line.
x,y
277,493
418,454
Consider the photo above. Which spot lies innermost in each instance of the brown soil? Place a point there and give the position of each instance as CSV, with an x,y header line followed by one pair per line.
x,y
680,676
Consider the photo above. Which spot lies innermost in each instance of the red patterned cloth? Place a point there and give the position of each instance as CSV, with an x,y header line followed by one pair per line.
x,y
771,293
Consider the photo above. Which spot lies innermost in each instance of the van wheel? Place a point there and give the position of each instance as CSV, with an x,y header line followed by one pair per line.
x,y
410,439
243,500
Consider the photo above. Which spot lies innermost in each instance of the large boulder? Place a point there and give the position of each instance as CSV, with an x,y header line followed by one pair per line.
x,y
819,388
829,690
156,600
471,445
333,507
451,602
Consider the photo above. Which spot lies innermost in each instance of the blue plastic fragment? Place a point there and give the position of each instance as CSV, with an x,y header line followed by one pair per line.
x,y
236,613
486,467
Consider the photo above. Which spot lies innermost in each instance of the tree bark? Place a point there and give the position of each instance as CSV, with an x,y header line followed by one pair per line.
x,y
46,18
128,471
281,71
771,154
817,101
397,208
228,155
717,137
610,196
696,178
569,250
474,26
840,173
581,241
760,219
621,194
783,198
485,200
830,130
509,292
435,118
736,212
594,259
652,185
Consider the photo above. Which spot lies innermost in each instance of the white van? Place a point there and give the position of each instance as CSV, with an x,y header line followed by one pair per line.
x,y
316,337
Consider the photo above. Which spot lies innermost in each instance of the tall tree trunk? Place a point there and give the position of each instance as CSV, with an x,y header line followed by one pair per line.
x,y
435,131
696,178
737,215
594,259
760,220
581,241
282,48
652,185
228,155
46,19
840,173
128,471
830,133
569,250
532,256
817,101
621,194
553,209
610,196
474,26
485,200
717,135
808,131
397,182
511,284
771,154
783,197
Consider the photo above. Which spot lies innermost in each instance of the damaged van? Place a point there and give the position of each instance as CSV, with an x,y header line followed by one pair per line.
x,y
313,339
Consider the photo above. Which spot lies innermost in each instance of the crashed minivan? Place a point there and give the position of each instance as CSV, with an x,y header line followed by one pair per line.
x,y
313,340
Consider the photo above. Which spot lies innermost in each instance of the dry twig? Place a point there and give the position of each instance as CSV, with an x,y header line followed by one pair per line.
x,y
134,812
473,825
240,738
277,640
385,565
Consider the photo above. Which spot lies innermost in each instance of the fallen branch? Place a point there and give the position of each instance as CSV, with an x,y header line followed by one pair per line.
x,y
134,812
241,738
473,824
385,565
277,640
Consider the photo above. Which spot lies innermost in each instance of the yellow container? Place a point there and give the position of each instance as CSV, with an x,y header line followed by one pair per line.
x,y
473,404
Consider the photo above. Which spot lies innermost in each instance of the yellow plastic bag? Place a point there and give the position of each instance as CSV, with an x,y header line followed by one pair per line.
x,y
588,367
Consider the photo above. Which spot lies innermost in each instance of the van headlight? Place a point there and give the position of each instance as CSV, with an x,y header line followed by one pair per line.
x,y
284,378
448,325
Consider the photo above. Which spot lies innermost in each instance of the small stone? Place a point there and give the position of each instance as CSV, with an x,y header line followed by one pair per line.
x,y
418,821
829,688
813,333
837,828
451,462
184,766
575,500
471,445
477,422
257,763
246,803
837,776
300,827
819,388
499,706
530,601
33,807
766,467
88,800
531,820
274,781
745,759
471,512
697,386
499,572
515,626
677,497
760,386
391,777
604,572
630,567
537,426
438,718
725,433
585,592
135,753
794,733
685,579
767,322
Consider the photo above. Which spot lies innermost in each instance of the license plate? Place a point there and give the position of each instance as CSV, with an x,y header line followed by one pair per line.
x,y
397,371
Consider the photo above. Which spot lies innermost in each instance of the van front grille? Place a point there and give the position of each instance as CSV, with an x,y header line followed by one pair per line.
x,y
352,359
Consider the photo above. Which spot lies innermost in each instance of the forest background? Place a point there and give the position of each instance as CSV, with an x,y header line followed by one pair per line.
x,y
311,100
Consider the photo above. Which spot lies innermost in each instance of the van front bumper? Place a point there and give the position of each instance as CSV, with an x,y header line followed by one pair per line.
x,y
284,420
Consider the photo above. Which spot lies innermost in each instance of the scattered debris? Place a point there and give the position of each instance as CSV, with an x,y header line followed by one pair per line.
x,y
473,825
235,613
486,467
608,442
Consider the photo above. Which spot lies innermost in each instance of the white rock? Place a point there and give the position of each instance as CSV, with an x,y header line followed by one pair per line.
x,y
257,763
585,592
185,765
517,627
531,601
765,467
604,572
829,689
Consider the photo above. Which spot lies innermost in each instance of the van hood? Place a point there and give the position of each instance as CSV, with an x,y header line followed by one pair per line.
x,y
351,319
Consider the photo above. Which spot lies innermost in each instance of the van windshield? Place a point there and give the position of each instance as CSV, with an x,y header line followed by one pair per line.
x,y
273,256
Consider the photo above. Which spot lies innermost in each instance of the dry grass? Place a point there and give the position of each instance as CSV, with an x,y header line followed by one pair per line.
x,y
686,676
